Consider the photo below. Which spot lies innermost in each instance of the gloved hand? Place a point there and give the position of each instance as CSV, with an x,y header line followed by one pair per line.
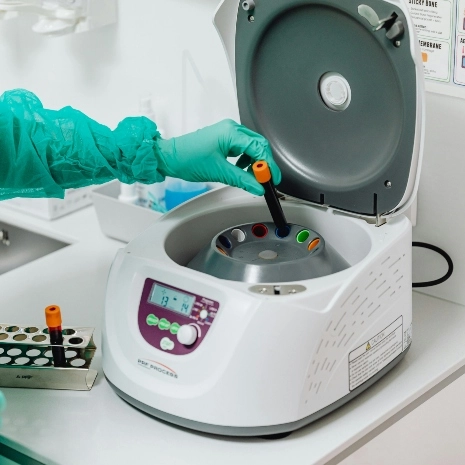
x,y
201,156
43,152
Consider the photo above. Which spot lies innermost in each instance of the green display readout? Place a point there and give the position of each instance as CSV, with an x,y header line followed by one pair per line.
x,y
172,300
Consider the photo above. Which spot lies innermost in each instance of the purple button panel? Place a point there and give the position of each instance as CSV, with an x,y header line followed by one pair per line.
x,y
164,309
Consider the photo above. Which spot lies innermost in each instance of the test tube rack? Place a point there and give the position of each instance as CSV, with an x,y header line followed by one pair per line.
x,y
26,359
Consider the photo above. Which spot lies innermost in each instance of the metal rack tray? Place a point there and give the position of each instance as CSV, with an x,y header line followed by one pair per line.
x,y
26,359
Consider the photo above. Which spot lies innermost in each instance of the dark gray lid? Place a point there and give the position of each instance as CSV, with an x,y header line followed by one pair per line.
x,y
357,159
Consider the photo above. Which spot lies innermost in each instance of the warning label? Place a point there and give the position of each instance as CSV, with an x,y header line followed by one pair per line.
x,y
440,25
432,18
436,59
372,356
459,74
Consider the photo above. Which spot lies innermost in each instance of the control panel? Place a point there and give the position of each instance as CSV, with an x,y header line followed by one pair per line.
x,y
172,319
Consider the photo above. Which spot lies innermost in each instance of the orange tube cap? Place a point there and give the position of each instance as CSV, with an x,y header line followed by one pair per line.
x,y
262,171
53,316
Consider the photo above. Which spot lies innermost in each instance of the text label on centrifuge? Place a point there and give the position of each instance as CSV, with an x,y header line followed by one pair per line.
x,y
160,368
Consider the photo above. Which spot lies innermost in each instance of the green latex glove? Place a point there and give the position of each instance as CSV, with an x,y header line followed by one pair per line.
x,y
201,156
43,152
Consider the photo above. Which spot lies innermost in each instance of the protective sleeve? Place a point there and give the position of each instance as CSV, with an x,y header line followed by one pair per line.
x,y
2,406
43,152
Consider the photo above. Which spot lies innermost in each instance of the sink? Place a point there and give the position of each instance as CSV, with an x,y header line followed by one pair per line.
x,y
24,247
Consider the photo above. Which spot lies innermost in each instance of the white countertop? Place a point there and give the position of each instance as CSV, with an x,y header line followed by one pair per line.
x,y
73,428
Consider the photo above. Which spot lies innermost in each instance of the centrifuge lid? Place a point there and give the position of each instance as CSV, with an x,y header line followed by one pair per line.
x,y
336,99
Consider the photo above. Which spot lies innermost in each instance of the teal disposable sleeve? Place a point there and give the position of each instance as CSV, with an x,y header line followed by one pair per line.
x,y
2,406
43,152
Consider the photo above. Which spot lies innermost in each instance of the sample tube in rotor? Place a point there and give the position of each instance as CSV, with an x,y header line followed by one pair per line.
x,y
263,175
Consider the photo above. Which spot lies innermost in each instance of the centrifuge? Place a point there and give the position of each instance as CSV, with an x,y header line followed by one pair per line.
x,y
214,322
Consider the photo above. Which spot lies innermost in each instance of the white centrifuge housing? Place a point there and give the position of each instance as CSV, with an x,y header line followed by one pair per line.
x,y
338,92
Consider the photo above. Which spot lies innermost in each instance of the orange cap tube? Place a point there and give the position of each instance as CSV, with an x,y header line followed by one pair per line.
x,y
262,171
53,316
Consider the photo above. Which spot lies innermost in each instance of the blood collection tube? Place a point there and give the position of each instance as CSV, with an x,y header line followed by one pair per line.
x,y
53,319
263,175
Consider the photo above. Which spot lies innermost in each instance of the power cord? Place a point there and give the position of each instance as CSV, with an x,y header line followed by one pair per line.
x,y
441,252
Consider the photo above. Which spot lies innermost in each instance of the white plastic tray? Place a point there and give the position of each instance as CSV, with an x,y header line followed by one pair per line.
x,y
120,220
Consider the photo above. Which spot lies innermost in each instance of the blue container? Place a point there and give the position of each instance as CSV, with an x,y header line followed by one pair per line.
x,y
178,191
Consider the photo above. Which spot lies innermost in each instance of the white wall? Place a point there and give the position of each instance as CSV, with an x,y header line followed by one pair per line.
x,y
441,199
167,48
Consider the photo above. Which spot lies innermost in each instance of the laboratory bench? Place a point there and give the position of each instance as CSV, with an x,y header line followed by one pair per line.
x,y
78,427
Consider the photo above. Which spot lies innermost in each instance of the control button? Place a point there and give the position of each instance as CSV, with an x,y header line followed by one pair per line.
x,y
187,335
204,314
164,324
302,236
238,234
174,328
225,242
282,232
259,230
167,344
221,250
313,244
152,320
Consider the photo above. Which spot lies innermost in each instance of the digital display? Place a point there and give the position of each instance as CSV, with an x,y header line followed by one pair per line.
x,y
172,300
463,62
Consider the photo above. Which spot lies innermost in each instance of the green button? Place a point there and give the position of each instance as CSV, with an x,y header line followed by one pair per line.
x,y
174,328
152,320
302,236
164,324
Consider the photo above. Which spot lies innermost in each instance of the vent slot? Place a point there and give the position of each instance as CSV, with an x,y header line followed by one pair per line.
x,y
359,308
